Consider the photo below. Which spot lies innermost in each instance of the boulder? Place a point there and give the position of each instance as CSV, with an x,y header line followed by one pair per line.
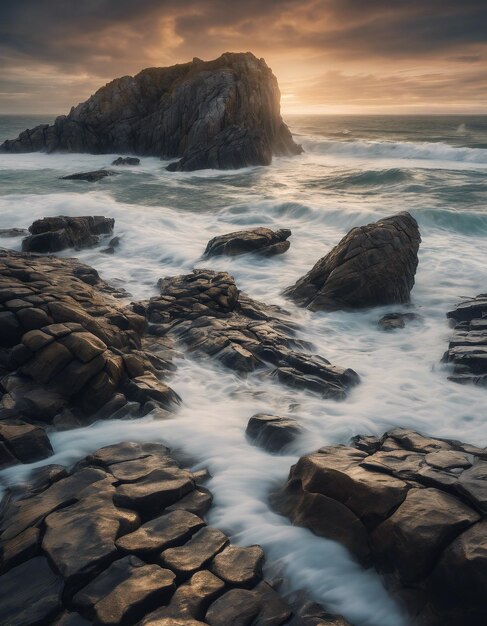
x,y
126,161
395,321
52,234
263,241
26,442
467,351
414,506
272,432
217,114
372,265
91,177
196,553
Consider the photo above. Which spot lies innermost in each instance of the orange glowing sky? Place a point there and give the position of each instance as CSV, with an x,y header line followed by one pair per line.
x,y
330,56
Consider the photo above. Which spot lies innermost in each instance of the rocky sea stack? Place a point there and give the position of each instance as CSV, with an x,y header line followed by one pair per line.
x,y
221,114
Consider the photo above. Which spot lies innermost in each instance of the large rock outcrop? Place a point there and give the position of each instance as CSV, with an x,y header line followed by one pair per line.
x,y
372,265
414,506
206,312
217,114
467,351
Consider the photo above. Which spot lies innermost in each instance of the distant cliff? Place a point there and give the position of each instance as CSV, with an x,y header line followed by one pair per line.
x,y
217,114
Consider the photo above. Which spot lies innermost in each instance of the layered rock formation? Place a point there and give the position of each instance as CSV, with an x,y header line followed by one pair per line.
x,y
372,265
70,351
467,350
263,241
120,541
52,234
207,313
218,114
414,506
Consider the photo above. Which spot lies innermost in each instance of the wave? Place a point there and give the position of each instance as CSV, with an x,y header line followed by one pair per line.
x,y
369,179
437,151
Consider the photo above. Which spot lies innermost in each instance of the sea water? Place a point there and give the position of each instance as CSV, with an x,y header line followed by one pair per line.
x,y
354,170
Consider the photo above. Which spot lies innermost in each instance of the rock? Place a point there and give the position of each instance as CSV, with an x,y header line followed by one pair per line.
x,y
263,241
125,592
196,553
13,232
91,177
239,567
197,501
26,442
72,619
21,548
218,114
10,329
126,161
271,432
30,594
161,533
372,265
419,510
206,312
467,351
52,234
190,601
394,321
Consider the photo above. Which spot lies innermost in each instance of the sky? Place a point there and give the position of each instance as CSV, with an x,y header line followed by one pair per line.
x,y
330,56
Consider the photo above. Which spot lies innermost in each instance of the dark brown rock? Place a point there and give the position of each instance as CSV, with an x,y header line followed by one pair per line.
x,y
236,122
196,553
272,432
26,442
239,567
373,265
126,161
125,592
395,321
167,531
30,594
91,177
52,234
259,240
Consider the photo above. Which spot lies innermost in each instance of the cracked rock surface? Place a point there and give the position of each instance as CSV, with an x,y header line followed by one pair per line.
x,y
414,506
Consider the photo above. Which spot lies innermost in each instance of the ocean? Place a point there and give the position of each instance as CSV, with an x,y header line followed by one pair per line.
x,y
355,170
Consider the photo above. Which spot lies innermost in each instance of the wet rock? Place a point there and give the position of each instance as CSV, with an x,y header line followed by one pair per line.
x,y
467,351
421,505
206,312
13,232
263,241
372,265
395,321
272,432
236,121
189,602
126,161
72,619
21,548
161,533
30,594
125,592
91,177
52,234
26,442
239,567
196,553
197,501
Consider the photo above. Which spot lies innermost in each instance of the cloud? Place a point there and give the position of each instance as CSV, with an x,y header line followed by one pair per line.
x,y
92,41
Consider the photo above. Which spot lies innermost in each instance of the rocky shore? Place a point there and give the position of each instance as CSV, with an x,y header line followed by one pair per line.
x,y
237,122
120,538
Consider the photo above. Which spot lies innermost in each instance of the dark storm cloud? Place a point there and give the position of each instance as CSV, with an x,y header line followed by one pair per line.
x,y
73,46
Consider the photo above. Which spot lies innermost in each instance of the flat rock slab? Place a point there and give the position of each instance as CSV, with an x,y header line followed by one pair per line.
x,y
412,504
196,553
262,241
30,594
372,265
239,567
125,592
26,442
467,350
91,177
